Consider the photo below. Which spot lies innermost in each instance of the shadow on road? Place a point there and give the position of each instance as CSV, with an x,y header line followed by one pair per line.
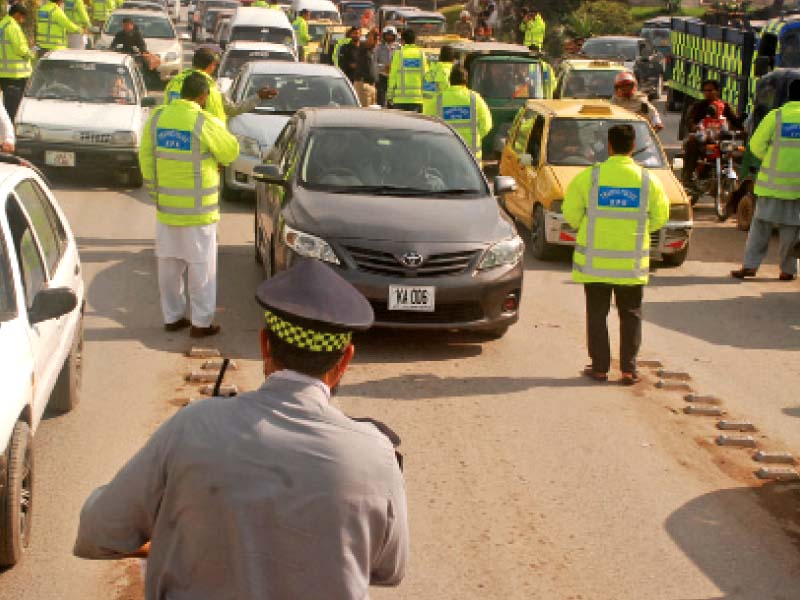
x,y
722,534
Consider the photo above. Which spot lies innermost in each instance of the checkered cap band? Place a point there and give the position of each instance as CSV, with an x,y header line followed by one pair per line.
x,y
304,338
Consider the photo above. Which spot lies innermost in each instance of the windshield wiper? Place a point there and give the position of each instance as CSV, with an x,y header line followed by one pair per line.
x,y
381,190
453,192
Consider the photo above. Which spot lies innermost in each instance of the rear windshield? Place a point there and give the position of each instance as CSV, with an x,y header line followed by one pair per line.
x,y
427,26
507,80
298,91
626,49
81,82
272,35
583,142
150,26
589,84
236,59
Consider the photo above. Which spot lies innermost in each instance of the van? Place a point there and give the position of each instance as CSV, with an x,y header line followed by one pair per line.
x,y
254,24
317,9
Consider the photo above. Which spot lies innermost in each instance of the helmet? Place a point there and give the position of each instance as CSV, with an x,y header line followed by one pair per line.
x,y
390,29
623,78
464,13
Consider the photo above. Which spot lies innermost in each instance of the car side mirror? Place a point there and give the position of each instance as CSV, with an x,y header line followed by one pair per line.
x,y
504,184
269,174
149,101
526,160
52,303
761,66
184,37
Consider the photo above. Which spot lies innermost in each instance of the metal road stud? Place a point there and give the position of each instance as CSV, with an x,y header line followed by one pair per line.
x,y
665,384
742,441
215,364
704,398
736,426
778,473
226,389
202,377
785,458
203,352
681,375
703,410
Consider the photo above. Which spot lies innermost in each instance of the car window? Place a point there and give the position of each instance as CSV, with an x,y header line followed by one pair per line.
x,y
48,227
790,50
80,81
523,131
150,26
507,79
31,266
299,91
600,48
577,142
8,300
254,33
535,140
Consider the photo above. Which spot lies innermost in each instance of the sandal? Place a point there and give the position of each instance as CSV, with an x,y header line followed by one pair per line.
x,y
630,378
589,372
743,272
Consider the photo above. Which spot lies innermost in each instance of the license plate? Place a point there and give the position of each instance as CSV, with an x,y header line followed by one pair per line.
x,y
412,297
53,158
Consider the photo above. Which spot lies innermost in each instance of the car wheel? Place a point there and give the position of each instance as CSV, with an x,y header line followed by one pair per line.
x,y
673,101
540,248
16,499
132,178
744,212
66,393
723,198
676,259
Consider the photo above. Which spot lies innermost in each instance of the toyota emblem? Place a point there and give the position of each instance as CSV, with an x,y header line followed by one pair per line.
x,y
411,259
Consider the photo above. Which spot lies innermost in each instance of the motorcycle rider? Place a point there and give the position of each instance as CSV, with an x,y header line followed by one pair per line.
x,y
627,96
129,39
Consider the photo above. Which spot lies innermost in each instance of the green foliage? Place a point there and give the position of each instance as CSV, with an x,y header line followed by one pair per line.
x,y
600,17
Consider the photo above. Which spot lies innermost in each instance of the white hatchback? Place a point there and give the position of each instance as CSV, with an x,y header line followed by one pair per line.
x,y
41,336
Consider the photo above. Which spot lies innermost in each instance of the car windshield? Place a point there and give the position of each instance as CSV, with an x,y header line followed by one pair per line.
x,y
427,26
507,79
299,91
143,5
589,84
81,82
150,26
236,59
253,33
599,48
317,31
577,142
8,306
390,162
658,37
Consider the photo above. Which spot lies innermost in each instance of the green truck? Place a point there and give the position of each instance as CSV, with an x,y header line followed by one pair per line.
x,y
506,76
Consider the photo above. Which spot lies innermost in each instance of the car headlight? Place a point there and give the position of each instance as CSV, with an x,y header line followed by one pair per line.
x,y
26,130
249,146
123,138
680,212
171,56
309,245
505,252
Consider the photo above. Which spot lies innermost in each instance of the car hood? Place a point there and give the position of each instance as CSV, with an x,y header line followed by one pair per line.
x,y
154,45
673,188
59,114
264,128
388,218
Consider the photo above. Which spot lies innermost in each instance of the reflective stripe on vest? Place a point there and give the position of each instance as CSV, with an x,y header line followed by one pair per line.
x,y
593,213
454,115
8,65
787,135
196,159
416,66
44,18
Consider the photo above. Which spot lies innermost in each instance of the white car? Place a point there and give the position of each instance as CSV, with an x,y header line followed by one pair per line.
x,y
239,54
84,109
299,85
159,34
41,336
317,9
254,24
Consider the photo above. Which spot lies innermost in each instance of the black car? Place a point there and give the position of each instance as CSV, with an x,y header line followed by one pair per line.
x,y
398,203
639,55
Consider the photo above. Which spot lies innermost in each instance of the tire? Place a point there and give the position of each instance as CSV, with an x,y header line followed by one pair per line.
x,y
676,259
744,212
540,248
16,499
723,197
132,178
66,393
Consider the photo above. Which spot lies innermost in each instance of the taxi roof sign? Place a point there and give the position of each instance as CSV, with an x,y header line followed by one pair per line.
x,y
595,109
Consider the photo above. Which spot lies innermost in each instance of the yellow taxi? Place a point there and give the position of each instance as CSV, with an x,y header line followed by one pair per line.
x,y
317,28
585,78
432,44
551,141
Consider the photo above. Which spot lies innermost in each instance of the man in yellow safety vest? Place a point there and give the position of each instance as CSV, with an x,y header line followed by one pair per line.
x,y
408,69
181,151
437,78
15,58
76,12
463,109
52,26
300,26
533,28
614,206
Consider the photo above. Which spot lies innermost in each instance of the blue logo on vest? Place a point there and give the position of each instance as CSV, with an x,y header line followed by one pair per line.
x,y
173,139
174,96
412,63
456,113
44,14
69,5
618,197
428,86
790,130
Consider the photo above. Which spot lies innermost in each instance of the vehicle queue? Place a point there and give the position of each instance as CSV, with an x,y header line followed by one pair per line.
x,y
449,255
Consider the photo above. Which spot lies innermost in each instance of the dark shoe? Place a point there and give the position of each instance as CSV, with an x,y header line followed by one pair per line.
x,y
630,378
177,325
787,277
589,372
201,332
743,272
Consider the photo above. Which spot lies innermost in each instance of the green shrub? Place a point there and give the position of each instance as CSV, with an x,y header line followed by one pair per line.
x,y
600,17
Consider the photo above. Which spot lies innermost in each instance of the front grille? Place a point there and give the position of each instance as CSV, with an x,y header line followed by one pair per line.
x,y
462,312
89,137
435,265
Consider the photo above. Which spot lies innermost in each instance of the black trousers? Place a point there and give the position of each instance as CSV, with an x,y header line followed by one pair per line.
x,y
629,308
12,94
691,154
383,85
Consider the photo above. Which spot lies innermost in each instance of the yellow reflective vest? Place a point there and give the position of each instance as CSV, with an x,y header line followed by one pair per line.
x,y
776,142
52,27
301,32
101,9
76,12
436,79
182,148
337,48
614,206
214,105
534,31
15,55
409,66
465,111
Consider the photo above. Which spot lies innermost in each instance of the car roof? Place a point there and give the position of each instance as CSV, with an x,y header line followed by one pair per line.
x,y
270,46
615,38
89,56
491,47
583,109
298,5
138,12
370,118
593,64
399,7
428,14
259,16
262,67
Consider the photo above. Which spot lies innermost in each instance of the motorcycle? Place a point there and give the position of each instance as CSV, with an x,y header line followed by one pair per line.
x,y
715,173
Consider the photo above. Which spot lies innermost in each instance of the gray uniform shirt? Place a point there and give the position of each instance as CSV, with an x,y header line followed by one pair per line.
x,y
274,494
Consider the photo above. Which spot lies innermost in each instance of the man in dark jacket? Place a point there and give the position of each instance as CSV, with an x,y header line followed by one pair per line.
x,y
129,39
349,54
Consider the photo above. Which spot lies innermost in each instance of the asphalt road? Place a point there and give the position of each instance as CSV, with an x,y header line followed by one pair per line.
x,y
524,480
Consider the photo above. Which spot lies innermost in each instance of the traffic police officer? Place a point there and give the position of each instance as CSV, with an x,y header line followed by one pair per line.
x,y
300,25
76,12
182,148
533,27
776,143
408,69
437,78
101,9
15,58
52,27
614,206
463,109
274,494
